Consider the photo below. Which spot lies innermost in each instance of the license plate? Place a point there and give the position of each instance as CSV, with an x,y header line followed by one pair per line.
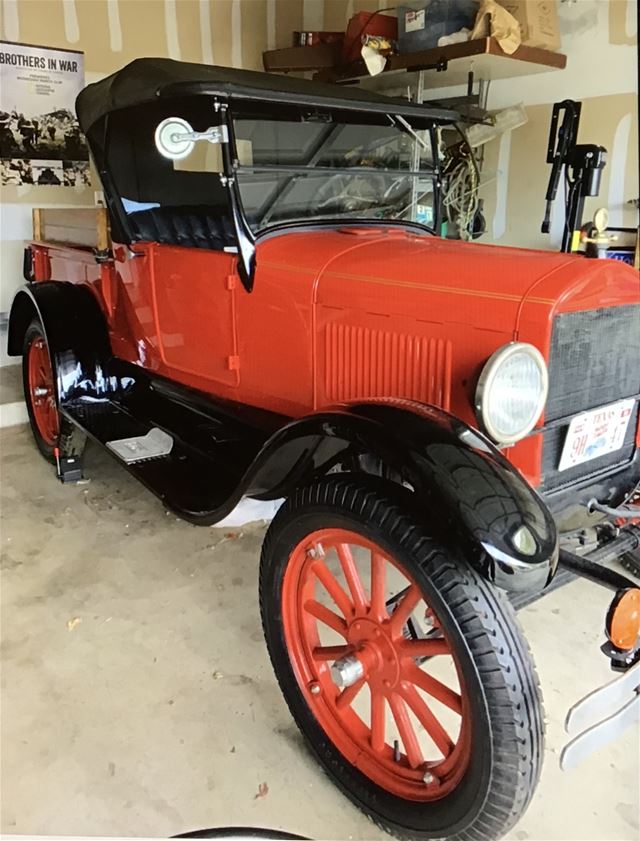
x,y
596,433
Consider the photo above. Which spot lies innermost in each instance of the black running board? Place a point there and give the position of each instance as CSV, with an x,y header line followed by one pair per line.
x,y
214,442
188,481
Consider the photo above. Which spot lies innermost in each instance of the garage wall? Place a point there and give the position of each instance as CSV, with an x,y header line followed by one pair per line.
x,y
114,32
599,38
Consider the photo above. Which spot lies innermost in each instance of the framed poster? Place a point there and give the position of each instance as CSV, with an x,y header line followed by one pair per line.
x,y
40,139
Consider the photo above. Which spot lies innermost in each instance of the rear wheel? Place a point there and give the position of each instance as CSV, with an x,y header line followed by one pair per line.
x,y
50,430
405,671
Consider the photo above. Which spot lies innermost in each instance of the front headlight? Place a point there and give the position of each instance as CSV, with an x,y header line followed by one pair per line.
x,y
511,392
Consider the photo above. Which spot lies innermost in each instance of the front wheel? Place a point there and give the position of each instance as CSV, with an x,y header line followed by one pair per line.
x,y
405,670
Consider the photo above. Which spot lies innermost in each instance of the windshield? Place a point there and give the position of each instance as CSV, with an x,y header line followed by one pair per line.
x,y
310,169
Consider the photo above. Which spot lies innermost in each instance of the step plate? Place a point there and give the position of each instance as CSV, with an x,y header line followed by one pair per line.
x,y
155,444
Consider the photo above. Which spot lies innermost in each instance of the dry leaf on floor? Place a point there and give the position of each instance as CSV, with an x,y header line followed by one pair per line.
x,y
263,790
217,675
72,624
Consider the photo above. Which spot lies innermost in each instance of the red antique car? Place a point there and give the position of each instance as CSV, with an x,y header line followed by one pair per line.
x,y
273,316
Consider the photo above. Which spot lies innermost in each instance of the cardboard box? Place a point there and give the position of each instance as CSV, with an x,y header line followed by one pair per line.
x,y
538,21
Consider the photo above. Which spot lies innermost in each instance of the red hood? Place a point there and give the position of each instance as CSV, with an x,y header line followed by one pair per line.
x,y
483,285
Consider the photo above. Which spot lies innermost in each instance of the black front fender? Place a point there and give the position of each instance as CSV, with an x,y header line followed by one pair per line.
x,y
463,487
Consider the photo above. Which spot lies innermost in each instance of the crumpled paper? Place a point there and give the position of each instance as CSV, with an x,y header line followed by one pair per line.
x,y
372,52
504,27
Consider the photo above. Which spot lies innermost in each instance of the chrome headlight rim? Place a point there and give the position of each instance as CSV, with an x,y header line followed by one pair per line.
x,y
487,379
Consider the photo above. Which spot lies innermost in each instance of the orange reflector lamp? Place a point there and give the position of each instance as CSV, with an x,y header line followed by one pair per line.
x,y
623,619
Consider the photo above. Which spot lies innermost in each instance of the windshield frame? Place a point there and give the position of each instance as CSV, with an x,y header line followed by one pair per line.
x,y
433,172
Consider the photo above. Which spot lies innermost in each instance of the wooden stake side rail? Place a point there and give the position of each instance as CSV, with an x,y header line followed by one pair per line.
x,y
84,227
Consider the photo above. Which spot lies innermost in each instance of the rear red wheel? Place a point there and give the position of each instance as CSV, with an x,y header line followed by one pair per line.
x,y
40,390
404,669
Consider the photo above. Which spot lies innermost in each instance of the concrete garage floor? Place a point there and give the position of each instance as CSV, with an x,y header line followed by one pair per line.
x,y
137,698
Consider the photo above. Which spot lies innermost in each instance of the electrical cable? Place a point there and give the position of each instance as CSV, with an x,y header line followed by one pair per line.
x,y
461,198
618,513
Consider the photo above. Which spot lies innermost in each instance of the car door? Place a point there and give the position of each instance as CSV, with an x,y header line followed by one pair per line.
x,y
194,301
193,272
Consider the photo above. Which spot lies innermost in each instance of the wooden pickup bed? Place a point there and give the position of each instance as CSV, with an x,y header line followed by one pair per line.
x,y
85,227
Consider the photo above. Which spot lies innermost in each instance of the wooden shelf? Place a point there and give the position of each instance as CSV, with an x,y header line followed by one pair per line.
x,y
449,66
294,59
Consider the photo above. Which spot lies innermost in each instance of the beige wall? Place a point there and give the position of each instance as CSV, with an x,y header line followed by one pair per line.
x,y
598,37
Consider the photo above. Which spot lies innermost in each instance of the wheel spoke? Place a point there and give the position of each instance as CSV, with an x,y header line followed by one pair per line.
x,y
326,616
348,695
406,730
427,719
378,723
404,609
432,686
352,576
378,583
333,588
424,648
330,652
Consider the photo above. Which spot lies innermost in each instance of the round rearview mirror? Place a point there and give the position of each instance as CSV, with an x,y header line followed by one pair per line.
x,y
172,138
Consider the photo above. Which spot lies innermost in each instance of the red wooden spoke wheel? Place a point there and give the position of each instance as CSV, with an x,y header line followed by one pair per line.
x,y
375,653
50,430
41,388
403,668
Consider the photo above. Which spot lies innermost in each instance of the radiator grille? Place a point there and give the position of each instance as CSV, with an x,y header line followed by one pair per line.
x,y
362,363
594,360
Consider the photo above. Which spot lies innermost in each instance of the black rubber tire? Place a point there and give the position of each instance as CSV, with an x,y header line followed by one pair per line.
x,y
498,671
67,429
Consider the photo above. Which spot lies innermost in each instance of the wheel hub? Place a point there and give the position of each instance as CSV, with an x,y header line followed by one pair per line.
x,y
40,381
374,657
347,671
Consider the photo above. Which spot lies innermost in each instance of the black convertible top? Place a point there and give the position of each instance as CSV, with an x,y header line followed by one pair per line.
x,y
146,79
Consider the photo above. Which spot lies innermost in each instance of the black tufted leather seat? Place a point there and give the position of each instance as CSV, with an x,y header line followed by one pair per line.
x,y
195,226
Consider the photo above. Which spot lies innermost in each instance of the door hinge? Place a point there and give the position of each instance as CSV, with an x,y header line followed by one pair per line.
x,y
233,363
232,282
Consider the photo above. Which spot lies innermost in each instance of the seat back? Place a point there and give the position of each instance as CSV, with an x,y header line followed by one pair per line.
x,y
188,226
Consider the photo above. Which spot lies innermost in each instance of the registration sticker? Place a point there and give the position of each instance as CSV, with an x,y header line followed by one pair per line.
x,y
596,433
414,21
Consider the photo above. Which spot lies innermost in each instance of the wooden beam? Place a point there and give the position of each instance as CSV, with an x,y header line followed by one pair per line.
x,y
36,215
